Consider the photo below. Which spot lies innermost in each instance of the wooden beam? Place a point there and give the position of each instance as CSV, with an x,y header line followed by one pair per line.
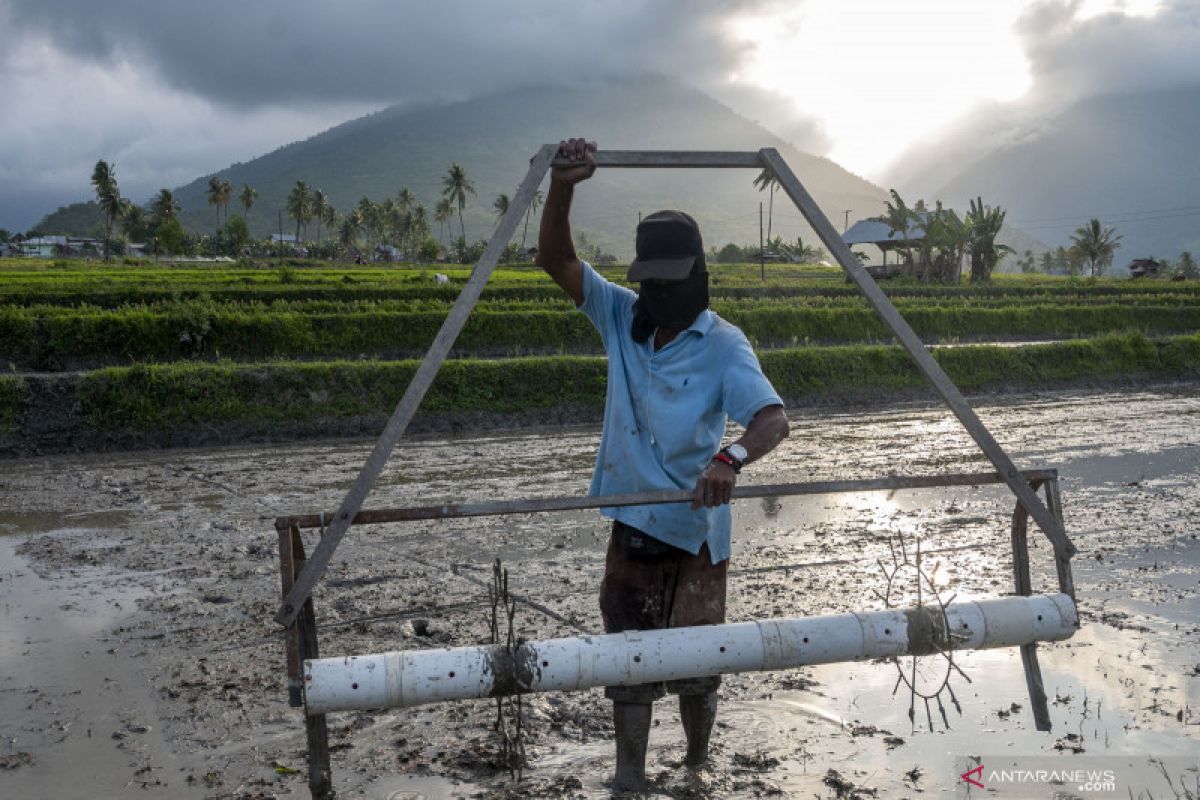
x,y
542,504
415,393
916,349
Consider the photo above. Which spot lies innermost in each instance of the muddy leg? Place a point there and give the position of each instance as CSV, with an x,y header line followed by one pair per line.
x,y
632,723
697,712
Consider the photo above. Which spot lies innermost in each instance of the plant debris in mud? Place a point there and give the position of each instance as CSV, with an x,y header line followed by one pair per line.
x,y
844,788
758,762
15,760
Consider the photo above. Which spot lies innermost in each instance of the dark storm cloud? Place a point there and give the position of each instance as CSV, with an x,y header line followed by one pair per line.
x,y
1110,53
252,53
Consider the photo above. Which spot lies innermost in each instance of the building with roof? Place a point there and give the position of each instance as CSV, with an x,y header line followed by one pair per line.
x,y
877,233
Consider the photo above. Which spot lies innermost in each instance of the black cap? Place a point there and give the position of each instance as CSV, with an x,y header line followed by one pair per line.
x,y
668,246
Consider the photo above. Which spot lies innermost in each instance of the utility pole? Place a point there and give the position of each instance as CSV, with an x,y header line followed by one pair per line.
x,y
846,220
762,253
281,237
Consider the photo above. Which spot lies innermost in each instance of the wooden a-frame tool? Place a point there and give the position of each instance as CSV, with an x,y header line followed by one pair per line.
x,y
767,158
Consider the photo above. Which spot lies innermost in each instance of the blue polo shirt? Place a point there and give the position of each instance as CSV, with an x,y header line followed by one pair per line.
x,y
665,414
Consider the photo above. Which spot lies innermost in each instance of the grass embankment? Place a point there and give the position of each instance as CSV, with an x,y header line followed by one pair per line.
x,y
14,396
168,397
87,339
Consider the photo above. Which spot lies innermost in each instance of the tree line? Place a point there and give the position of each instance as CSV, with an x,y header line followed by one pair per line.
x,y
398,221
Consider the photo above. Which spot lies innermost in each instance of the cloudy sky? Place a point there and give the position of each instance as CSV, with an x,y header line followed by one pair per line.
x,y
174,89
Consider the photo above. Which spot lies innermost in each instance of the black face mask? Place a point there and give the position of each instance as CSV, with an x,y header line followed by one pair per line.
x,y
669,304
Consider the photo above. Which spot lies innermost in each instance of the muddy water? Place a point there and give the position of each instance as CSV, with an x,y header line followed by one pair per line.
x,y
137,592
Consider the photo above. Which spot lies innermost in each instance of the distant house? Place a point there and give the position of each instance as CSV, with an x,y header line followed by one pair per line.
x,y
44,246
876,232
386,252
1145,268
289,243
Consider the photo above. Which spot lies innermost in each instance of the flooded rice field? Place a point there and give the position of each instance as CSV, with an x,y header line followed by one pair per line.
x,y
138,656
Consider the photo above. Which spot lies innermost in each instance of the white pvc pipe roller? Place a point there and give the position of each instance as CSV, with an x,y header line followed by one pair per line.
x,y
412,677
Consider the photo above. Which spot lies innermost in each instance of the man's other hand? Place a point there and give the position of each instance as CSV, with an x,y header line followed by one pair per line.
x,y
715,487
580,150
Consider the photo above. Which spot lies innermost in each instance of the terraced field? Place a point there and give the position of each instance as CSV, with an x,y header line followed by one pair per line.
x,y
142,354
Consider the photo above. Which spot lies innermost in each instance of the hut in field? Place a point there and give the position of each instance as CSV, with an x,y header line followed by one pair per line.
x,y
1146,268
874,231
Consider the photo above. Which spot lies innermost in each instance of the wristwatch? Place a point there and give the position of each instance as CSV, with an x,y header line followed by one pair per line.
x,y
734,455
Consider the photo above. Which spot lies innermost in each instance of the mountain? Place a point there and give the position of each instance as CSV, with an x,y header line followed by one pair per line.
x,y
493,138
1129,159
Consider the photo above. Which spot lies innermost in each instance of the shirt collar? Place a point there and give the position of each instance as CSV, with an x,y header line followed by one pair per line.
x,y
703,323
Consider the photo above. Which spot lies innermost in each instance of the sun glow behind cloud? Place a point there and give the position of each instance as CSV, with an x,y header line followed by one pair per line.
x,y
883,76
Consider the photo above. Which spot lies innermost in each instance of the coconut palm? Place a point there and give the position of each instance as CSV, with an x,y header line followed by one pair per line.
x,y
443,212
319,203
329,216
370,219
767,180
500,206
108,197
534,204
134,222
455,188
420,224
348,232
223,198
164,208
1095,244
299,206
214,197
247,196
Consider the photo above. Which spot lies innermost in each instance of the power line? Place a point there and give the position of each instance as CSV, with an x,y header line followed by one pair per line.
x,y
1191,210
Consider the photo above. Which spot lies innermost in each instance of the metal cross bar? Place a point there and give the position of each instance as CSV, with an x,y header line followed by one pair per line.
x,y
536,504
672,159
416,390
930,368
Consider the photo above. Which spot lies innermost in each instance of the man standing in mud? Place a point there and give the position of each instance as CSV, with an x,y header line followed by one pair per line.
x,y
676,372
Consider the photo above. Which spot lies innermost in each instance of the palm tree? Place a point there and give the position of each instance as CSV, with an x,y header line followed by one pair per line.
x,y
500,206
983,224
224,197
443,212
767,180
1096,244
329,216
164,207
369,218
319,203
299,206
108,197
419,225
133,221
455,188
214,196
534,204
247,197
348,232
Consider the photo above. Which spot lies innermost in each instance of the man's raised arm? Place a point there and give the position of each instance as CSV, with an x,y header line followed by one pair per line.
x,y
556,252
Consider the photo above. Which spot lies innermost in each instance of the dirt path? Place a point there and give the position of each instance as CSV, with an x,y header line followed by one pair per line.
x,y
137,590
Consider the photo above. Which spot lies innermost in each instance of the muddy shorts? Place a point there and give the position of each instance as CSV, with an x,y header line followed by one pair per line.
x,y
650,585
